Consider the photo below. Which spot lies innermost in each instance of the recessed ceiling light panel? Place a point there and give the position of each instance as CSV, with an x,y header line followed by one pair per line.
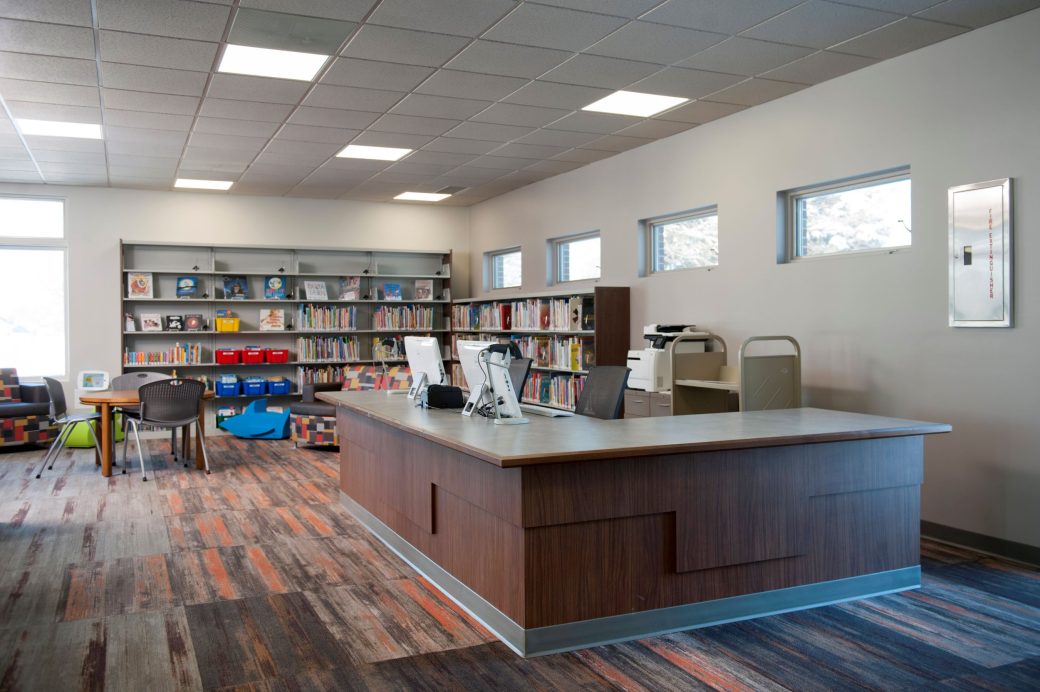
x,y
359,151
195,184
268,62
634,103
54,128
422,196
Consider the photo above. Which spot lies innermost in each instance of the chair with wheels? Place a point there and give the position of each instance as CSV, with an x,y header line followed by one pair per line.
x,y
603,392
60,416
168,404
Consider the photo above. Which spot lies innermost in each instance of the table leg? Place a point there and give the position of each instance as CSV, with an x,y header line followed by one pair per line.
x,y
106,440
200,461
97,431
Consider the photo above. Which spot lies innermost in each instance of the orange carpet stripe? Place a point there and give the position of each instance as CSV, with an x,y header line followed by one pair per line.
x,y
215,567
266,570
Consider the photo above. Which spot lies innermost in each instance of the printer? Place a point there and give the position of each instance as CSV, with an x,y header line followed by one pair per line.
x,y
652,366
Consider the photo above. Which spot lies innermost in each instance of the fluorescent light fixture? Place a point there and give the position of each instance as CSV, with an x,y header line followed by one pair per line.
x,y
203,184
634,103
268,62
54,128
422,196
358,151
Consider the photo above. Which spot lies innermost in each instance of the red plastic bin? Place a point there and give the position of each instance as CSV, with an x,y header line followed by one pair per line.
x,y
252,355
277,355
227,356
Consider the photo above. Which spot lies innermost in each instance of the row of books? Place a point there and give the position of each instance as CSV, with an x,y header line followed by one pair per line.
x,y
178,354
326,317
141,285
403,317
565,353
356,377
553,389
328,348
564,314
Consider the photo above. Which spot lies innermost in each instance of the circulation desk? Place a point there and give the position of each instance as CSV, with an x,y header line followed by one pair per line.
x,y
570,532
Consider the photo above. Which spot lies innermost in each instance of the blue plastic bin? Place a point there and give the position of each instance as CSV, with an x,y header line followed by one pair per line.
x,y
282,386
252,387
228,388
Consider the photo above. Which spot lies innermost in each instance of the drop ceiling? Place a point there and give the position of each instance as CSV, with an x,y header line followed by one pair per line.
x,y
488,93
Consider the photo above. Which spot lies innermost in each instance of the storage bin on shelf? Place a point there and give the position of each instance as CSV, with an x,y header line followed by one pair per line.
x,y
254,386
227,356
277,355
253,355
228,385
279,385
226,324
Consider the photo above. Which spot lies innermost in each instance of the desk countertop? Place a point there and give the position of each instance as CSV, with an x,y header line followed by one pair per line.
x,y
551,440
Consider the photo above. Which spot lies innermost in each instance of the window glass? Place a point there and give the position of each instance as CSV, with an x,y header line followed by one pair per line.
x,y
505,269
577,258
682,242
32,325
32,218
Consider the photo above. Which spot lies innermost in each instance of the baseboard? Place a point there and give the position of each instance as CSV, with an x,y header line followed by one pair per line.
x,y
1021,552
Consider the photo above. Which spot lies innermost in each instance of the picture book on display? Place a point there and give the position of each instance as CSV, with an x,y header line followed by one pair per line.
x,y
175,323
151,322
235,288
350,288
128,323
391,291
139,285
272,320
315,290
194,323
187,286
424,289
274,288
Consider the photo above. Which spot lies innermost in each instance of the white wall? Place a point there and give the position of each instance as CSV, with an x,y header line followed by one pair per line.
x,y
873,327
96,220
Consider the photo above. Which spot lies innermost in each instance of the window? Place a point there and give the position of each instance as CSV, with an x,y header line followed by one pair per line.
x,y
866,213
32,253
576,257
683,241
503,268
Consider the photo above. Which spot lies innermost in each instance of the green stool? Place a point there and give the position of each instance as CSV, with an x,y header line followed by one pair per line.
x,y
80,438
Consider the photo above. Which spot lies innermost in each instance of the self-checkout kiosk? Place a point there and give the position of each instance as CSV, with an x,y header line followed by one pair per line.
x,y
652,366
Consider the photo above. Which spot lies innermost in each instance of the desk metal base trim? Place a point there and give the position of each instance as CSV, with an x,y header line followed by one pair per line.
x,y
608,630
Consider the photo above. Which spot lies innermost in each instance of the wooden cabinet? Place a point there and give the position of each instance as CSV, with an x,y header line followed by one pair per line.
x,y
640,404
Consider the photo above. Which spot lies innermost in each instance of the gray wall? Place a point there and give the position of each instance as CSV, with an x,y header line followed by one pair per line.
x,y
873,327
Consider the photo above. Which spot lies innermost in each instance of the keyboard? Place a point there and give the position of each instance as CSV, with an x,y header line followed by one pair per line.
x,y
544,410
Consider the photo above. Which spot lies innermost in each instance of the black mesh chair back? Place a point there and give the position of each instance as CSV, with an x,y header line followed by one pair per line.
x,y
603,392
134,380
57,395
170,403
60,416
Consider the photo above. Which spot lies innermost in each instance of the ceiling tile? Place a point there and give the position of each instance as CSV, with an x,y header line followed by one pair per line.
x,y
439,107
655,129
745,56
621,8
499,163
442,158
244,110
819,67
599,123
156,51
92,169
424,169
755,91
56,11
360,165
332,117
975,14
143,101
319,151
345,10
51,111
177,18
730,17
654,43
898,38
27,176
138,78
143,162
403,46
44,68
528,151
248,145
375,75
49,92
246,88
65,144
552,27
289,32
489,131
700,112
310,133
461,17
228,126
461,146
599,71
512,114
819,24
391,175
222,159
391,139
153,121
414,125
470,85
143,136
551,95
617,143
553,167
507,59
691,84
96,158
351,98
48,39
470,175
558,138
897,6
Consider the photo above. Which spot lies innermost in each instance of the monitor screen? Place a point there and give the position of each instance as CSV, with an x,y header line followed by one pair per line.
x,y
473,370
424,362
93,380
519,369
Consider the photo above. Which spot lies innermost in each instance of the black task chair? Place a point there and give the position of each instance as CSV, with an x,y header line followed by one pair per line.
x,y
134,380
60,416
167,404
603,392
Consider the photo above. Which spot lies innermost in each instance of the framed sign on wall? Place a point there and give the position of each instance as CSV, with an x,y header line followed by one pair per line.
x,y
980,254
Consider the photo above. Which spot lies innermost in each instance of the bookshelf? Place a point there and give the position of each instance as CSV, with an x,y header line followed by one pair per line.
x,y
335,308
564,332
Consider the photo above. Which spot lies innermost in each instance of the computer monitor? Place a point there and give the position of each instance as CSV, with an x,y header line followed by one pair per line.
x,y
92,380
488,372
424,362
519,369
473,370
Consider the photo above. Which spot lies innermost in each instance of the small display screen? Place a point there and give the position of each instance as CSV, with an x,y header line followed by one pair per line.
x,y
94,380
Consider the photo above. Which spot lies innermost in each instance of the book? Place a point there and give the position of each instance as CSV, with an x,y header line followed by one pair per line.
x,y
151,322
350,288
315,290
391,291
175,323
187,286
424,289
272,320
128,323
274,288
194,323
235,288
544,315
139,285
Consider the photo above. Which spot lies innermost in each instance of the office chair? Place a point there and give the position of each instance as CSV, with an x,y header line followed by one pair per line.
x,y
603,392
134,380
168,404
60,416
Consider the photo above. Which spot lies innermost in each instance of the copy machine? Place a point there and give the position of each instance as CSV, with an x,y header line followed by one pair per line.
x,y
652,366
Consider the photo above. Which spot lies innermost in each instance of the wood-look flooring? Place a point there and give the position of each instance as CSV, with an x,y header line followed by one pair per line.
x,y
254,578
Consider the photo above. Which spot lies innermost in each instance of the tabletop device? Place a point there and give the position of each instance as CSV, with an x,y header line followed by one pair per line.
x,y
485,365
424,362
652,366
519,369
92,381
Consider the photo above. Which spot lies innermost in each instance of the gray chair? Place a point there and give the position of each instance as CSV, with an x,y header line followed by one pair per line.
x,y
603,392
134,380
59,415
168,404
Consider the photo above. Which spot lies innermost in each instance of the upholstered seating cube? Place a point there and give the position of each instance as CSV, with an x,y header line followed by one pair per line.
x,y
313,422
24,411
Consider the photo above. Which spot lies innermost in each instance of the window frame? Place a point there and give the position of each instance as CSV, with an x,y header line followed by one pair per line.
x,y
489,267
649,246
47,243
793,237
555,265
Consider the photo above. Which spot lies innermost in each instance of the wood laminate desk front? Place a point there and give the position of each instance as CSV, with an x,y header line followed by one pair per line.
x,y
569,532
